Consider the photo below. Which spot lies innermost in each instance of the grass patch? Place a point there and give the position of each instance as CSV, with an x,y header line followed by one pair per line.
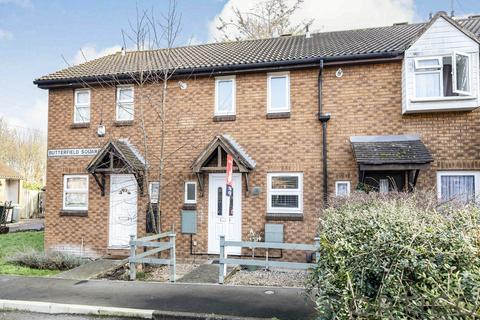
x,y
11,243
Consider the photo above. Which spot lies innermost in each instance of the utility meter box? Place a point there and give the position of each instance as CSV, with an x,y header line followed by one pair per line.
x,y
273,232
189,221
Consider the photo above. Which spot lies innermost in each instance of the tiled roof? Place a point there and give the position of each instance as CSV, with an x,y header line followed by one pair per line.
x,y
8,173
399,149
348,44
122,148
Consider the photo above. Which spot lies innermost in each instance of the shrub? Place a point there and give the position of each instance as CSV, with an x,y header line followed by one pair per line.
x,y
49,261
398,257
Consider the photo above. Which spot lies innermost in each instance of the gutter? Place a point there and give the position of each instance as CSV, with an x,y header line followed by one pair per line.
x,y
323,118
229,69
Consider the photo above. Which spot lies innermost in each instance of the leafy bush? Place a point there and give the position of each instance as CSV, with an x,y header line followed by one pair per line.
x,y
398,257
45,261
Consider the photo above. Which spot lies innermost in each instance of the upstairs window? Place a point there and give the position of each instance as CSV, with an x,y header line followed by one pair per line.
x,y
124,103
81,113
224,96
447,76
285,193
278,88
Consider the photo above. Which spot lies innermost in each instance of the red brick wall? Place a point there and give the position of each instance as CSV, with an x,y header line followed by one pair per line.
x,y
365,101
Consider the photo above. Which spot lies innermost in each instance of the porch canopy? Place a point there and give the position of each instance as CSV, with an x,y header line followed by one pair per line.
x,y
391,153
213,159
117,157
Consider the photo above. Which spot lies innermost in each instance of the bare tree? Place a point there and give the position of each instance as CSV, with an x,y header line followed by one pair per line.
x,y
24,150
267,19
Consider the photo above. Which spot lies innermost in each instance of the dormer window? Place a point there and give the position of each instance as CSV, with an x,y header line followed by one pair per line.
x,y
447,76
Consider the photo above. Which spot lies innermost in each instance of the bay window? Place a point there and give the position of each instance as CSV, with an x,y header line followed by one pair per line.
x,y
446,76
285,193
75,192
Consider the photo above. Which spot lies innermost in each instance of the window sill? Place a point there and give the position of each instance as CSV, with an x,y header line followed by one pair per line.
x,y
73,213
284,216
437,99
189,206
220,118
124,123
278,115
80,125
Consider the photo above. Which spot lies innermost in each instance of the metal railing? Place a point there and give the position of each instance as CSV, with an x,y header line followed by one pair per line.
x,y
152,242
224,261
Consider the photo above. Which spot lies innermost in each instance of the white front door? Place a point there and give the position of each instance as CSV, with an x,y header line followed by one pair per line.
x,y
123,209
220,220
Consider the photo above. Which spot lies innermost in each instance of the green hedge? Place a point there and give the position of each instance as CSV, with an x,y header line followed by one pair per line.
x,y
398,257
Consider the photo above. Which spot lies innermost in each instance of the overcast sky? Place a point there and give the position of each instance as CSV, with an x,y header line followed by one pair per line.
x,y
35,34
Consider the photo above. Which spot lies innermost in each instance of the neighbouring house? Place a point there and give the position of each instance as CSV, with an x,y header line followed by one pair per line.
x,y
305,118
11,186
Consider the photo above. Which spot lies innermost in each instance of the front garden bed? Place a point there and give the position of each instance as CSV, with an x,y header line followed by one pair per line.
x,y
23,254
273,278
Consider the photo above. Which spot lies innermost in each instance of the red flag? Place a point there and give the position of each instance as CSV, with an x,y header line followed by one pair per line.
x,y
229,175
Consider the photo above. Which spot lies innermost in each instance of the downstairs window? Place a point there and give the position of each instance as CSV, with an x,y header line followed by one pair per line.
x,y
460,186
285,193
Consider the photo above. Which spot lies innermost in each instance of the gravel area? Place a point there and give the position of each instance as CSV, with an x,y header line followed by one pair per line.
x,y
162,273
274,278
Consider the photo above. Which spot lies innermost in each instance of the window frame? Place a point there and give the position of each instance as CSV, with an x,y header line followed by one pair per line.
x,y
443,173
438,69
185,199
150,189
270,76
454,73
298,191
233,111
428,70
337,183
118,102
82,105
65,191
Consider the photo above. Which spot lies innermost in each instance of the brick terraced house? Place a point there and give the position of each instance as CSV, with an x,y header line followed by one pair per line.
x,y
305,118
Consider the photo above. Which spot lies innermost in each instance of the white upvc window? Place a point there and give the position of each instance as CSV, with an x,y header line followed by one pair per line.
x,y
445,76
75,192
461,73
463,186
285,192
278,92
124,104
342,188
81,112
225,92
153,191
190,192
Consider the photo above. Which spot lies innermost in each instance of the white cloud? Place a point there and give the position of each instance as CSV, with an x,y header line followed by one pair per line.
x,y
34,116
5,35
333,15
89,52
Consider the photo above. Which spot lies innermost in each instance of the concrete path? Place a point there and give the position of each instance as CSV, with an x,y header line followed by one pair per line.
x,y
27,225
90,270
262,302
205,273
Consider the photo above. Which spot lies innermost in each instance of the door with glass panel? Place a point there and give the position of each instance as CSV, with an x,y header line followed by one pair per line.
x,y
224,218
